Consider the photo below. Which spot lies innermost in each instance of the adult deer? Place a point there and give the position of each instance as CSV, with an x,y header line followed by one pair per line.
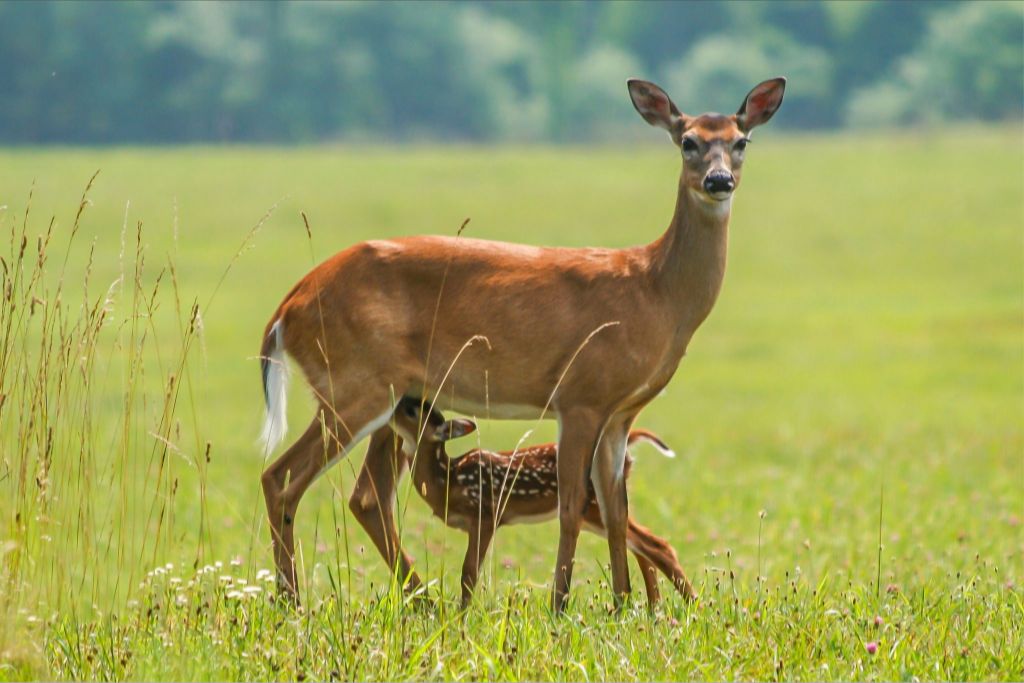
x,y
480,491
588,336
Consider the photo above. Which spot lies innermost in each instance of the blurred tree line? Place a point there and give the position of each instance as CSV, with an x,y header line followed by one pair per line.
x,y
111,72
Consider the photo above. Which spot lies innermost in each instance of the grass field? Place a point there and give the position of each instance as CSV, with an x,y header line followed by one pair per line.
x,y
861,380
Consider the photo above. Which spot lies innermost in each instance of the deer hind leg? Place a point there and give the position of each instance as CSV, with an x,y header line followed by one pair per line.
x,y
288,477
480,536
609,480
578,436
661,554
373,502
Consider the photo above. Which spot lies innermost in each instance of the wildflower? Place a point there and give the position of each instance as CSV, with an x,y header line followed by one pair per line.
x,y
264,575
235,595
251,590
236,562
224,578
878,621
871,647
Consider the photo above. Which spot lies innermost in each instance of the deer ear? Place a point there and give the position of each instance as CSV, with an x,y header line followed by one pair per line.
x,y
761,103
453,429
654,104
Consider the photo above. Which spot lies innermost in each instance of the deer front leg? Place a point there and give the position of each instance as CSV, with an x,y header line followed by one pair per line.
x,y
480,536
577,439
609,480
373,502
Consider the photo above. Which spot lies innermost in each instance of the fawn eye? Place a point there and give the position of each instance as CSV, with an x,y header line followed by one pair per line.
x,y
740,145
689,146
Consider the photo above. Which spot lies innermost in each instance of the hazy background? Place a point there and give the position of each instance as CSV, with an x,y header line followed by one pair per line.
x,y
173,72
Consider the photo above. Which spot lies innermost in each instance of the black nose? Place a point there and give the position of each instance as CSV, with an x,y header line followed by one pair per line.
x,y
719,181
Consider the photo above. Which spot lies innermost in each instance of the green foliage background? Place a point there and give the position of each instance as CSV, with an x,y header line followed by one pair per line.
x,y
100,72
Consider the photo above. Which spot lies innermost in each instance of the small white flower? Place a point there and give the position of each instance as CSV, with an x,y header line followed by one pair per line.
x,y
235,595
252,589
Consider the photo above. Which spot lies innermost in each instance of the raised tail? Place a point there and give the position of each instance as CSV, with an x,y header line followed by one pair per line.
x,y
275,386
651,438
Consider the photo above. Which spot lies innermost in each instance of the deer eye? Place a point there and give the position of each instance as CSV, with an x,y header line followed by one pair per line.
x,y
689,146
740,145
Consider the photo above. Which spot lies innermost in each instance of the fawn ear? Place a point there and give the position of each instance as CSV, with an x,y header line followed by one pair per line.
x,y
654,104
761,103
453,429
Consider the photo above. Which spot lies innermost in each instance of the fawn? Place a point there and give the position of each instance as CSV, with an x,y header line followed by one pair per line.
x,y
481,490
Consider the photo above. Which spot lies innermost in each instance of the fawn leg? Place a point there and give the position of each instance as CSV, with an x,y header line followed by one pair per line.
x,y
480,536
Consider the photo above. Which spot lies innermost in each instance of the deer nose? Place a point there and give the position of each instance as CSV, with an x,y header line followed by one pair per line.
x,y
718,182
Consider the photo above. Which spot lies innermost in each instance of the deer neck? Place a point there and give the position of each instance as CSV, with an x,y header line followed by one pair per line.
x,y
431,463
688,261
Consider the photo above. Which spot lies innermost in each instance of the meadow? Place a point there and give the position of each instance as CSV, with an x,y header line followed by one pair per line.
x,y
848,497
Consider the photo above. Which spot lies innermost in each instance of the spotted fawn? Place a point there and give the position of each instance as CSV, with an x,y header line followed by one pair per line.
x,y
482,490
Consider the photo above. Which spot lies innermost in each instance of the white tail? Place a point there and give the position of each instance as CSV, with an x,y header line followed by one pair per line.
x,y
649,437
275,388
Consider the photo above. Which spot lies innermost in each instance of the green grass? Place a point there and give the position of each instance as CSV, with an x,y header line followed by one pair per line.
x,y
869,341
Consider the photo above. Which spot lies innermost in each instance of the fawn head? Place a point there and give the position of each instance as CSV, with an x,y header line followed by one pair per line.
x,y
713,145
414,417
